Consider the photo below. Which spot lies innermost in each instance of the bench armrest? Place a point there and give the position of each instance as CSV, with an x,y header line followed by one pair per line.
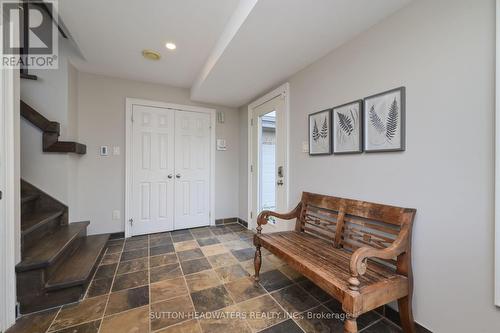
x,y
360,257
264,215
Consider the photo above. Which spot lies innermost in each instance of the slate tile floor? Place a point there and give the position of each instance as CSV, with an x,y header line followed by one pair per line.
x,y
156,283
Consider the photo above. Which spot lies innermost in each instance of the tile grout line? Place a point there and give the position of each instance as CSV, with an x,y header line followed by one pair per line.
x,y
213,269
371,324
93,277
53,319
217,275
198,323
111,288
187,288
296,283
223,286
267,292
276,301
393,323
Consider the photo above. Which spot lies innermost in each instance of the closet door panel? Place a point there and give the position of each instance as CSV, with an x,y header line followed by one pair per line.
x,y
192,169
153,156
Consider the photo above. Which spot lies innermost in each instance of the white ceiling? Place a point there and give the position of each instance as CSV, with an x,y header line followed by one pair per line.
x,y
111,35
228,51
279,38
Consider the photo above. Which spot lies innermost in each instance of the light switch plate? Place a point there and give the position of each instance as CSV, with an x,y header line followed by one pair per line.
x,y
116,215
104,151
221,144
116,150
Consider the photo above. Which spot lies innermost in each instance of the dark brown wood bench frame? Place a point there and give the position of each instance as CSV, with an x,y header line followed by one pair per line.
x,y
357,298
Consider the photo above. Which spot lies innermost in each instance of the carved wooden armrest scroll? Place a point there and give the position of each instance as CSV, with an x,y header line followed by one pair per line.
x,y
359,259
266,214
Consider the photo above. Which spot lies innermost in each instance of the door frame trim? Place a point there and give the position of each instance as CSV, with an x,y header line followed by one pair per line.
x,y
497,160
8,234
283,90
129,103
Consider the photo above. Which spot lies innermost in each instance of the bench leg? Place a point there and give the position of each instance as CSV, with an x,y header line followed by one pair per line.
x,y
406,315
257,261
350,325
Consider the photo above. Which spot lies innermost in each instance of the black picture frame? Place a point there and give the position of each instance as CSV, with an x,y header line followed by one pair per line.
x,y
360,124
402,129
329,141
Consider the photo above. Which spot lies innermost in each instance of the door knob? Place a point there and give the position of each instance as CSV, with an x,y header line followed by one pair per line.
x,y
170,176
178,176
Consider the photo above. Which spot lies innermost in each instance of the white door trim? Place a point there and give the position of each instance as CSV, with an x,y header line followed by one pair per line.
x,y
129,103
497,160
283,90
9,179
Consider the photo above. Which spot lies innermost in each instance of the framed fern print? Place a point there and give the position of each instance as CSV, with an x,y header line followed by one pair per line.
x,y
347,128
320,133
384,121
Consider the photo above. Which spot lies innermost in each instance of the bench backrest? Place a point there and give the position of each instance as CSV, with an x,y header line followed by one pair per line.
x,y
351,224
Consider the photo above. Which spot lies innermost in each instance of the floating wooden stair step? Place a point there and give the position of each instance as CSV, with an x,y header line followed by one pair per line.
x,y
79,267
33,221
51,131
66,147
28,76
47,251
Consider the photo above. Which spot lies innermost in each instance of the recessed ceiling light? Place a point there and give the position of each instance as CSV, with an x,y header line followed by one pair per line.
x,y
151,55
170,46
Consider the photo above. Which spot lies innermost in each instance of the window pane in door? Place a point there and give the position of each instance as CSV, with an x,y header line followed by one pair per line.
x,y
267,150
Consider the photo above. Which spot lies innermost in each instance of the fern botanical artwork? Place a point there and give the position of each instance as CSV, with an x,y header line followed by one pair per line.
x,y
320,136
347,128
384,121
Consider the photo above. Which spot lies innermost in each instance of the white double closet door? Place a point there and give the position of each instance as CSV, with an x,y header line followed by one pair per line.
x,y
171,169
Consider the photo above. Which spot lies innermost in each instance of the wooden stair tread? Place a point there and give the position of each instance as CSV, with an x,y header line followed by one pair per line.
x,y
47,251
32,221
28,197
28,76
77,268
67,147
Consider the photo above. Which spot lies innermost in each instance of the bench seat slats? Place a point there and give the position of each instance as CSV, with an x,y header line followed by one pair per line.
x,y
320,255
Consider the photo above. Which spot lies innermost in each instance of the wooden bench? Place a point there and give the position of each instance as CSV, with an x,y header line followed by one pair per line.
x,y
359,252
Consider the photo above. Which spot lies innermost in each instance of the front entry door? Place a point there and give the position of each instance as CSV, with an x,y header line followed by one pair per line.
x,y
192,169
269,159
153,170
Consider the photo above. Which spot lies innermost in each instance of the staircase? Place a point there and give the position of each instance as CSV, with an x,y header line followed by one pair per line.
x,y
58,259
51,132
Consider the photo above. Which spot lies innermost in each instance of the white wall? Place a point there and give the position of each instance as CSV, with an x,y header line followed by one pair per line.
x,y
101,121
443,52
52,95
